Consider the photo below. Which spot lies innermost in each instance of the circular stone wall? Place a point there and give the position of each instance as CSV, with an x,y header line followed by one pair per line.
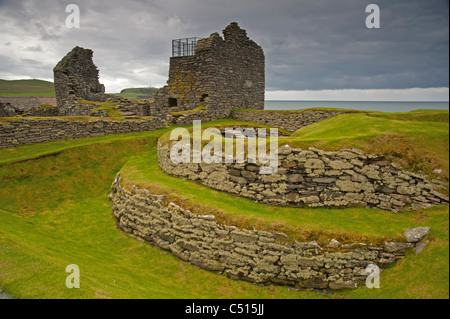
x,y
315,178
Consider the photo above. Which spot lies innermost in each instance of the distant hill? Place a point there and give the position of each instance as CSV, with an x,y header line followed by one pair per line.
x,y
137,93
45,88
26,88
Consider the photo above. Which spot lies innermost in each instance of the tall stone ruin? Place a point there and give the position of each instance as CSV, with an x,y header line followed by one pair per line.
x,y
217,73
76,77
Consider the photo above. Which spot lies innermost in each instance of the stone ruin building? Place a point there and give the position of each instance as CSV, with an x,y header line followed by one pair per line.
x,y
76,77
217,74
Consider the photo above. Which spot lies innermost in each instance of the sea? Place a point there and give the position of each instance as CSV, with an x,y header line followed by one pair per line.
x,y
381,106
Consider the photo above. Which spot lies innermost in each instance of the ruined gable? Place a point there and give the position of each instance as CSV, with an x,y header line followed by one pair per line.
x,y
76,77
221,74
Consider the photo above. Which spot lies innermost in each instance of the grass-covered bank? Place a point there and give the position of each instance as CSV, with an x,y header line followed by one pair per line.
x,y
26,88
418,140
54,211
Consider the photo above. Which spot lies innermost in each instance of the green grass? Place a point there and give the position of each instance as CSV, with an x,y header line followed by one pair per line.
x,y
418,140
26,88
143,170
111,111
54,211
195,110
363,125
21,153
416,115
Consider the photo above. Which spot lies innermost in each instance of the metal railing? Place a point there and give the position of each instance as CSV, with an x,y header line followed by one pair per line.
x,y
184,47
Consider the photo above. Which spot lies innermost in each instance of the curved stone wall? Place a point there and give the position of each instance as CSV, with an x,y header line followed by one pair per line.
x,y
26,130
253,255
315,178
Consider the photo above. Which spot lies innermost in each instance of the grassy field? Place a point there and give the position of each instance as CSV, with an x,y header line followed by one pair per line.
x,y
26,88
37,87
54,211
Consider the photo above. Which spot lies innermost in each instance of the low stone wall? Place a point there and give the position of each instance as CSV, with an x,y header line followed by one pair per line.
x,y
253,255
187,119
26,102
290,121
22,131
315,178
44,110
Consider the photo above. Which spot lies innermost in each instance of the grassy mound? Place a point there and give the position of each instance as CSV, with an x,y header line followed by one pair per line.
x,y
418,140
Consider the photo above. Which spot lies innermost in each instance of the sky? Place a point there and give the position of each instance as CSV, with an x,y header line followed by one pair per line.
x,y
314,49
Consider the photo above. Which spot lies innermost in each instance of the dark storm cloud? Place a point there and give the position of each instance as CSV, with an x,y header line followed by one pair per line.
x,y
308,44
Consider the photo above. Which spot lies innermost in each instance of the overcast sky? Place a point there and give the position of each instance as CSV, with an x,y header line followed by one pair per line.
x,y
310,45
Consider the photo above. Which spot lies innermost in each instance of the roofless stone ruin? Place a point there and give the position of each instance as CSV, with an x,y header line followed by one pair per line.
x,y
217,73
214,74
76,77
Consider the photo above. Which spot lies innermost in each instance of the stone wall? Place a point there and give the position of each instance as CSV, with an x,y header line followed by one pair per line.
x,y
224,73
253,255
8,109
315,178
22,131
45,110
204,116
76,77
290,121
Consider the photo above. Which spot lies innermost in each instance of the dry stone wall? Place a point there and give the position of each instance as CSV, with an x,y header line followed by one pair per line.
x,y
8,109
315,178
22,131
253,255
24,103
290,121
204,116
